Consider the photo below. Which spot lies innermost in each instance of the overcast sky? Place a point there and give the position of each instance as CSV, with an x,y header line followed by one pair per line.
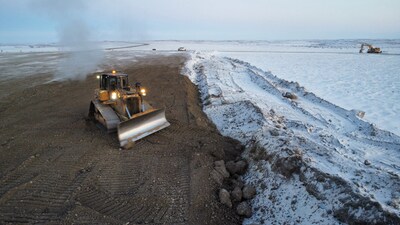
x,y
32,21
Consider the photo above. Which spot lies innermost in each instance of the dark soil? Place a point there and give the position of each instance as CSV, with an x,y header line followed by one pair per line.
x,y
58,167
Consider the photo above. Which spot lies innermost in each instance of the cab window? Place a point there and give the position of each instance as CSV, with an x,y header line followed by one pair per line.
x,y
103,82
124,82
112,83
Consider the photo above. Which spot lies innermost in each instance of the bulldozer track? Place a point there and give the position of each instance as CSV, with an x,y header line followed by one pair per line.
x,y
25,172
135,192
45,197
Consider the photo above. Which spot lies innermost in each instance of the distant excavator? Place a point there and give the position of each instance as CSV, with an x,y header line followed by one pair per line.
x,y
371,49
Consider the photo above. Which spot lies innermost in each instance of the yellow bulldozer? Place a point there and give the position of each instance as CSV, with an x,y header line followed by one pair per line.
x,y
371,49
119,107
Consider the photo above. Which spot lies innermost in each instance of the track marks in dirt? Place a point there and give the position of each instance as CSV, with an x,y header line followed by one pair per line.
x,y
45,198
141,189
61,169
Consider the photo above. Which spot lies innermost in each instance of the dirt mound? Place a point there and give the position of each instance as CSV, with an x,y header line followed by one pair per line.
x,y
56,166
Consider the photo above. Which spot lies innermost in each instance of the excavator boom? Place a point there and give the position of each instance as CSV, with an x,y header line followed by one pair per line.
x,y
371,49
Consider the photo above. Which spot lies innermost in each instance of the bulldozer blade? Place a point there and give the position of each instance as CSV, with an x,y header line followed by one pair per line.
x,y
141,125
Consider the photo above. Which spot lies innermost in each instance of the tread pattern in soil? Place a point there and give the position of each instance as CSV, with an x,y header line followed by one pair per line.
x,y
141,190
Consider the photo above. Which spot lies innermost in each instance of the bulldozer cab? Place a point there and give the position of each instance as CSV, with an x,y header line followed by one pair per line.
x,y
112,82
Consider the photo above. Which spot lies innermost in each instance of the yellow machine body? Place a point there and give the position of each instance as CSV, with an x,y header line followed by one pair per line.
x,y
118,107
103,95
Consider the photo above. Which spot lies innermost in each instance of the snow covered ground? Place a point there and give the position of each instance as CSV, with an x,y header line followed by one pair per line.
x,y
311,161
366,82
332,69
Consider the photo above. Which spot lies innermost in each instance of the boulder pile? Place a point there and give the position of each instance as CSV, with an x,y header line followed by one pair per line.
x,y
233,192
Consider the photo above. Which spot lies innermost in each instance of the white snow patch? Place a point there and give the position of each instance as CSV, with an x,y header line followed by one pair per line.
x,y
307,156
365,82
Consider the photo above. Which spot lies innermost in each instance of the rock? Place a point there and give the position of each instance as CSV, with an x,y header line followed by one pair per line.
x,y
240,183
236,182
241,167
367,162
217,177
218,153
237,194
358,113
219,163
224,198
222,171
243,209
249,192
274,132
289,95
220,168
288,165
231,167
395,203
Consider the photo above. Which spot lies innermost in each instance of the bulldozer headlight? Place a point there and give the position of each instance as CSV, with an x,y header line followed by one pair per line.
x,y
98,76
143,91
113,95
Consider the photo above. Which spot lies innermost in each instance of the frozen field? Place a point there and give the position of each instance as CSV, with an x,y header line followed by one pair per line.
x,y
334,70
312,159
370,83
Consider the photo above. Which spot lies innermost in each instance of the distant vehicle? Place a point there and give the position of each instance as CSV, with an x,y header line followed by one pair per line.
x,y
371,49
154,49
181,49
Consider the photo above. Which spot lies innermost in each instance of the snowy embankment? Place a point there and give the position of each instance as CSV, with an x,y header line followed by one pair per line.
x,y
367,82
311,161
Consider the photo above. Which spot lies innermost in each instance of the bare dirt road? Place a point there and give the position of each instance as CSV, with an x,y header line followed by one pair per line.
x,y
58,168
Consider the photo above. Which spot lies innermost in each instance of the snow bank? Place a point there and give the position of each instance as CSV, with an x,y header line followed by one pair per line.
x,y
365,82
311,161
332,69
